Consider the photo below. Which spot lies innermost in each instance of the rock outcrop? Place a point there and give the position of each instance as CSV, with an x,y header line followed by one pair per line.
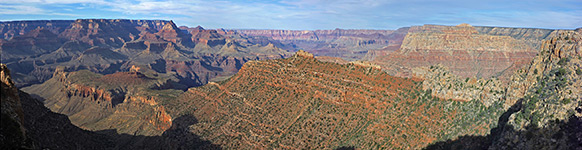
x,y
462,49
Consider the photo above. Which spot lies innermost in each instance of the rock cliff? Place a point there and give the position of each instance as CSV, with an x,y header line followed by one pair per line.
x,y
464,50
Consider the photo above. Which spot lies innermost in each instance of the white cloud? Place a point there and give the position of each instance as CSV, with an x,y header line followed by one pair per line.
x,y
316,14
20,9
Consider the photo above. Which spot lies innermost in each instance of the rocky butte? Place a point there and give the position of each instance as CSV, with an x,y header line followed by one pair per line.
x,y
463,49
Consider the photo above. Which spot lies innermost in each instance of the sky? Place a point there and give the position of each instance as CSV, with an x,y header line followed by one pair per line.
x,y
308,14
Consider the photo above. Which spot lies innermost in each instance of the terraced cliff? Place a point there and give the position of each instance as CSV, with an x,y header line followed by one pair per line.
x,y
464,50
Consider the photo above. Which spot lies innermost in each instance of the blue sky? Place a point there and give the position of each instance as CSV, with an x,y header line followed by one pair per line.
x,y
309,14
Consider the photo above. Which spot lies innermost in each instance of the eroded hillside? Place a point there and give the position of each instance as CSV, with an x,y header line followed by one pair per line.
x,y
300,102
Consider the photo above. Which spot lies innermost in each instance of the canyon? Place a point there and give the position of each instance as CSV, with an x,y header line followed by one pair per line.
x,y
346,44
109,46
149,84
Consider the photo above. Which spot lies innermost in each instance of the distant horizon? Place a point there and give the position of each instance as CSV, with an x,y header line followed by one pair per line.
x,y
309,14
179,25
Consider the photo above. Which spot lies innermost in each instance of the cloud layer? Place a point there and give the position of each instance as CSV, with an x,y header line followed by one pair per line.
x,y
309,14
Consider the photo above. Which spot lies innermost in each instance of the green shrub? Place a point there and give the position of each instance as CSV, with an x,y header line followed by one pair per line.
x,y
563,61
536,117
566,101
560,72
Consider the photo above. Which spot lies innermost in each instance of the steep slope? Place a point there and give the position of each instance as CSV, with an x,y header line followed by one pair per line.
x,y
546,111
302,103
463,50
